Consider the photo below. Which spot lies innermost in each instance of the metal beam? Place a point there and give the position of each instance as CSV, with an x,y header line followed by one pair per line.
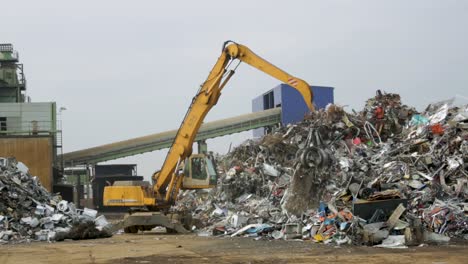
x,y
163,140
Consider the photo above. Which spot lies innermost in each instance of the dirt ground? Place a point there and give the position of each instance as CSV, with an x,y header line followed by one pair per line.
x,y
164,248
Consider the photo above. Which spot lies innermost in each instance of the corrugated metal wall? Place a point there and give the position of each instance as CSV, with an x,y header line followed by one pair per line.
x,y
294,107
292,104
34,152
323,96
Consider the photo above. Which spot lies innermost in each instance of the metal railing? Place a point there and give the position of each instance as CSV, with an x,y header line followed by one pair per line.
x,y
6,47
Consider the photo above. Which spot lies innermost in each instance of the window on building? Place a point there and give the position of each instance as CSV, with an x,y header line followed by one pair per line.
x,y
268,101
3,124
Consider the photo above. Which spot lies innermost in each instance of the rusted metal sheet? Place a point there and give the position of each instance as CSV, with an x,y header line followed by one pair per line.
x,y
35,152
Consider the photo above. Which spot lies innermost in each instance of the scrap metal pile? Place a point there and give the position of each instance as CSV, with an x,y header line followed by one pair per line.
x,y
386,176
28,212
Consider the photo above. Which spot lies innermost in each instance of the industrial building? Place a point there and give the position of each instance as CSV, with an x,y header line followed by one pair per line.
x,y
28,130
289,100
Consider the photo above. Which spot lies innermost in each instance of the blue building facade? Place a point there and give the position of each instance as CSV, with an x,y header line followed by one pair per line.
x,y
293,107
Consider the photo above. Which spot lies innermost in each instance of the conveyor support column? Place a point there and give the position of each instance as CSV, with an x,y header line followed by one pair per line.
x,y
202,147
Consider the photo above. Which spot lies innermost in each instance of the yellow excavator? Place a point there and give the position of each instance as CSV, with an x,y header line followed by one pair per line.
x,y
151,203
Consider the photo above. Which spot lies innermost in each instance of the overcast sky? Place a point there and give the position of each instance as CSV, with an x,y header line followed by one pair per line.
x,y
130,68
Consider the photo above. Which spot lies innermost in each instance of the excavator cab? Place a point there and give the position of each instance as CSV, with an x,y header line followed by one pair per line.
x,y
199,172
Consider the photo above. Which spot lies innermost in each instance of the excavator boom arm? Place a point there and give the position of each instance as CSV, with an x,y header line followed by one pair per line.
x,y
244,54
167,180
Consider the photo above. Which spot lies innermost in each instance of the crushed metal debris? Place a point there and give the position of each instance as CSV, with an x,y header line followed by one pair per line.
x,y
28,212
387,176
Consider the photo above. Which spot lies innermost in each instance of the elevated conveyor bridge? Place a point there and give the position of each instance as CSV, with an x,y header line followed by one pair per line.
x,y
163,140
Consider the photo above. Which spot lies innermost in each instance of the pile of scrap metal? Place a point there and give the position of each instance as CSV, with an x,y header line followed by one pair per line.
x,y
28,212
387,176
